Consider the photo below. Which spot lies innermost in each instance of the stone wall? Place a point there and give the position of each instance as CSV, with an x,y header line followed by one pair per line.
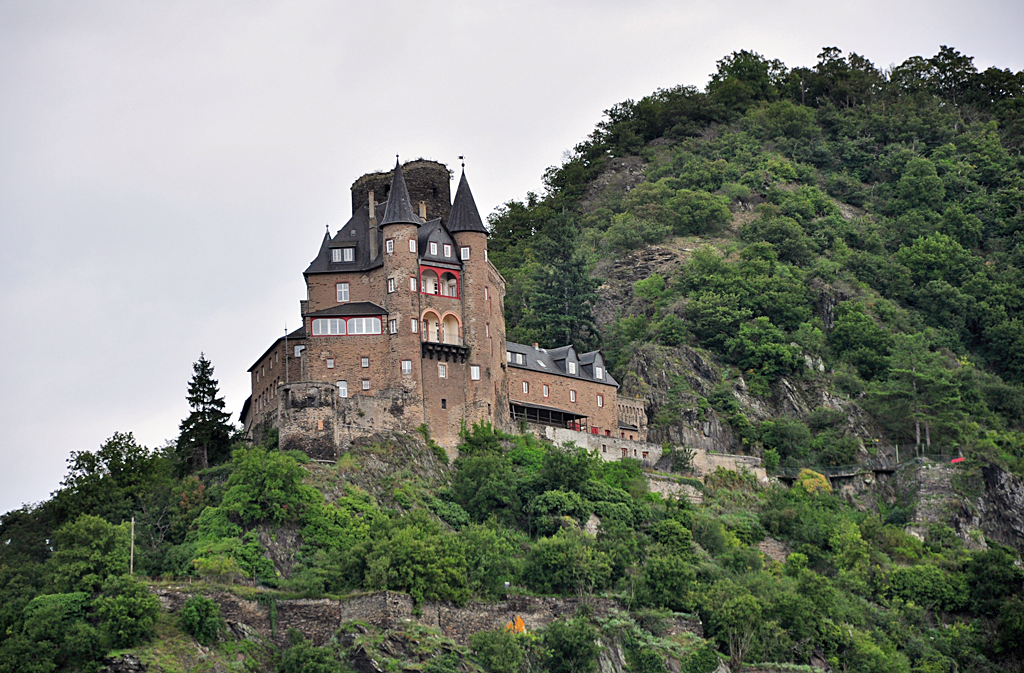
x,y
428,181
319,619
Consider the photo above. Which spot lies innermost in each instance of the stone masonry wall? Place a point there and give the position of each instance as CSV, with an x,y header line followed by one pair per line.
x,y
319,619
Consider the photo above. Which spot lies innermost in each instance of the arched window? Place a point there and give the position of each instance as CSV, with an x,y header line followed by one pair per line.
x,y
429,283
431,327
451,329
449,285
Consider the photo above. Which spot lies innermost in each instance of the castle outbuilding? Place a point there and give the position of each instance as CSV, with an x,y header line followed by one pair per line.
x,y
403,327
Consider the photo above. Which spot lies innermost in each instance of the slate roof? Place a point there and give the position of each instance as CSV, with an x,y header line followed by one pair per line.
x,y
542,361
349,309
464,215
355,232
434,231
399,209
297,335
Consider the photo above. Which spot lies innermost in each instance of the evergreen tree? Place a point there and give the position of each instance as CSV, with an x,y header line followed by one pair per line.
x,y
205,437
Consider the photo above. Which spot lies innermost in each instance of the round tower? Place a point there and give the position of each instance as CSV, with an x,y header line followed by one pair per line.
x,y
398,233
483,296
425,180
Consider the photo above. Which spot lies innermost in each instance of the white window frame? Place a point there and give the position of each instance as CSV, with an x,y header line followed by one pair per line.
x,y
330,363
508,356
433,248
406,367
600,400
547,390
474,372
464,252
447,250
391,285
572,367
572,395
412,245
342,292
364,362
298,351
414,326
389,246
393,326
342,388
366,384
526,387
368,325
412,283
599,372
442,370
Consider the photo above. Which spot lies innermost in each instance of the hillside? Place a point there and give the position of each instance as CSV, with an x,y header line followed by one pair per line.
x,y
816,268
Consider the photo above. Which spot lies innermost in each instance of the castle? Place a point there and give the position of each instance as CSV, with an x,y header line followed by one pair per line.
x,y
403,327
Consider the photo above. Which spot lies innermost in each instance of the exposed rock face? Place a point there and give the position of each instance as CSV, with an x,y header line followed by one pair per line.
x,y
125,663
621,175
1002,506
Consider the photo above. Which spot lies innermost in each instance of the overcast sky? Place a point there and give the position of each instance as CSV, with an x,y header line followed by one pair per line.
x,y
167,169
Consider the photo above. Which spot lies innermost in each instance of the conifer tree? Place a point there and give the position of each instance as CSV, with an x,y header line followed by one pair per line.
x,y
206,433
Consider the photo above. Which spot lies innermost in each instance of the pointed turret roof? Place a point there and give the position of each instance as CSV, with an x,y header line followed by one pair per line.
x,y
399,209
464,215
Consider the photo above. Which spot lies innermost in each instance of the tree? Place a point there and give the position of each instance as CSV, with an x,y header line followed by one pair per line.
x,y
206,434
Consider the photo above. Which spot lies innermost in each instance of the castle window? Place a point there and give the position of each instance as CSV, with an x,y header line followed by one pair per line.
x,y
447,250
412,283
391,285
508,356
572,395
600,400
389,246
486,297
366,384
474,372
342,292
364,325
343,254
572,367
487,329
433,248
598,372
329,327
444,403
330,363
526,387
412,245
485,254
298,351
364,362
547,390
442,371
393,326
342,388
414,326
464,253
406,367
520,359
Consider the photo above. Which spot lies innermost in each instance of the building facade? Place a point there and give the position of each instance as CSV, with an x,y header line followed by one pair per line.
x,y
403,326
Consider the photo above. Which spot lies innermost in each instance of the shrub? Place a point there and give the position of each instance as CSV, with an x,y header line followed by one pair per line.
x,y
571,647
813,482
200,618
497,651
127,611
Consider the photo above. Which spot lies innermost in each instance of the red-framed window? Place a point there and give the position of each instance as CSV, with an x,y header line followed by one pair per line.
x,y
355,326
440,282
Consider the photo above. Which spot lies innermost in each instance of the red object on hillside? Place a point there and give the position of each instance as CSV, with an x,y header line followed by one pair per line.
x,y
957,460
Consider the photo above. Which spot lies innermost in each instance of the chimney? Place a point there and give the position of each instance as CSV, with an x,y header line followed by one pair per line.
x,y
536,347
373,227
423,210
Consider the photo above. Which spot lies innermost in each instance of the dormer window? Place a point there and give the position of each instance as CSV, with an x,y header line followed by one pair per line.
x,y
433,249
447,250
598,373
572,367
341,255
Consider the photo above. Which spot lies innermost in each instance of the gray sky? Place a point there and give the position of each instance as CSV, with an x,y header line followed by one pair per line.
x,y
167,169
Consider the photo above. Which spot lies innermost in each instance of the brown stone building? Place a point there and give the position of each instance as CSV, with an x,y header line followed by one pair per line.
x,y
403,325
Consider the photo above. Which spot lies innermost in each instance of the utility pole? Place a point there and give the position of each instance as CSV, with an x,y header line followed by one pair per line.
x,y
287,365
131,555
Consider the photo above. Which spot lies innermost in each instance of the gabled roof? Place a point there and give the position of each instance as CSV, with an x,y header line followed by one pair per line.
x,y
297,335
356,232
399,209
435,232
464,215
541,360
349,309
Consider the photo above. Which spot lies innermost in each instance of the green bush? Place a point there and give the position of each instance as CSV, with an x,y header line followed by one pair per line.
x,y
571,647
127,611
200,618
497,651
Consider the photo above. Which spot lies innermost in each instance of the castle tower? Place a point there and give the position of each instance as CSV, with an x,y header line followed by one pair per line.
x,y
399,253
483,317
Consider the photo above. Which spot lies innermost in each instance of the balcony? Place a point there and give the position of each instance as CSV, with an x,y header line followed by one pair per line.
x,y
435,350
